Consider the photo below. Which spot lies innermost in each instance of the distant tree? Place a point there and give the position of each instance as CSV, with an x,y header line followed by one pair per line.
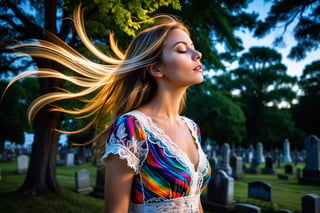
x,y
304,15
262,84
306,112
220,118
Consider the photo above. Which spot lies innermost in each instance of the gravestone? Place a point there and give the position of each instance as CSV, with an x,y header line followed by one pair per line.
x,y
311,171
246,208
98,190
219,193
288,169
283,177
253,167
310,203
236,164
259,155
224,164
22,164
260,190
83,182
269,168
70,159
286,152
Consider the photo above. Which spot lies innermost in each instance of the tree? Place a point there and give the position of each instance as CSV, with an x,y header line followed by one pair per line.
x,y
27,25
306,112
220,118
304,15
261,82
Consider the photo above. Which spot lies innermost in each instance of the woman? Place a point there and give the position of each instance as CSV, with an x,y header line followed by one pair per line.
x,y
153,156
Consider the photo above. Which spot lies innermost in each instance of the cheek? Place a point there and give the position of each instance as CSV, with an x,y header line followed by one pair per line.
x,y
174,62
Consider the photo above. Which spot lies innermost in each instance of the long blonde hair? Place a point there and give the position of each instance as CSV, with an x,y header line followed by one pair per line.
x,y
120,85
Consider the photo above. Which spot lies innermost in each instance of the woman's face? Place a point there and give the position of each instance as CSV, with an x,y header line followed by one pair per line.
x,y
180,64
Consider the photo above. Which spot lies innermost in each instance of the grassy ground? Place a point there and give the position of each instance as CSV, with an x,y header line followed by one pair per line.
x,y
285,194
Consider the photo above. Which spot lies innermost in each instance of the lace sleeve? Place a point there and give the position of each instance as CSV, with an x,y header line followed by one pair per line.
x,y
126,140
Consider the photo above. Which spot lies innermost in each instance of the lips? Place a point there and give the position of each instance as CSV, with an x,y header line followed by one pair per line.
x,y
198,68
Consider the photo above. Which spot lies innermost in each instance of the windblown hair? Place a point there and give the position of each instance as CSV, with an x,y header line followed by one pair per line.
x,y
121,84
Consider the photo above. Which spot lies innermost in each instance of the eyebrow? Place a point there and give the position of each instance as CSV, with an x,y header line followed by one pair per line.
x,y
183,42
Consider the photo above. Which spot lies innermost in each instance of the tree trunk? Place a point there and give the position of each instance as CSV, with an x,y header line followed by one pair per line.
x,y
41,175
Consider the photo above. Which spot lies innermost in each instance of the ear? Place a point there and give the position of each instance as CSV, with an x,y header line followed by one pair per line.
x,y
155,71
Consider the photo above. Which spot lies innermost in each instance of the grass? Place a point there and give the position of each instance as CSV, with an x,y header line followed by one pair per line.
x,y
286,194
68,201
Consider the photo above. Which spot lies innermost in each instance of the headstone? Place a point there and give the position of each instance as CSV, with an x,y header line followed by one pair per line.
x,y
259,155
70,159
246,208
213,160
22,164
237,167
98,190
311,171
260,190
83,182
219,193
283,177
269,168
253,167
286,152
310,203
288,169
224,164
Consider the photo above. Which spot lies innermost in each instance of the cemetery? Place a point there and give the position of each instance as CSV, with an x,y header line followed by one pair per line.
x,y
246,180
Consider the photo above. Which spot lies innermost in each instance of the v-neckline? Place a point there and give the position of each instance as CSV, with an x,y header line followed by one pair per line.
x,y
173,146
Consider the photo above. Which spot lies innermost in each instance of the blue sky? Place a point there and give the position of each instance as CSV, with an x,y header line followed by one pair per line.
x,y
294,68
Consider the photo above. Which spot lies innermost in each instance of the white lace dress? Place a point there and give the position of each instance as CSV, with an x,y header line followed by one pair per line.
x,y
165,179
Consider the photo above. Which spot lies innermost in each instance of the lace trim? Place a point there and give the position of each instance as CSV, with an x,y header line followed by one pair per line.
x,y
129,150
171,147
189,204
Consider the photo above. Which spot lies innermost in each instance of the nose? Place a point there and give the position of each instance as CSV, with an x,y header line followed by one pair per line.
x,y
197,55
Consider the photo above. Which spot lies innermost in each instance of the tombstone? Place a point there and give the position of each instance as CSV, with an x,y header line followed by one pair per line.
x,y
283,177
213,160
269,168
219,193
70,159
259,155
83,182
286,158
288,169
260,190
253,167
311,171
246,208
22,164
236,164
98,190
4,156
224,163
310,203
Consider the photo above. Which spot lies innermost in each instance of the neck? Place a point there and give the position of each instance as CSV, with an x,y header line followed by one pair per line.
x,y
164,106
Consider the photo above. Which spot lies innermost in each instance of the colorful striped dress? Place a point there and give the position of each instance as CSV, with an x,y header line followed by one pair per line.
x,y
165,179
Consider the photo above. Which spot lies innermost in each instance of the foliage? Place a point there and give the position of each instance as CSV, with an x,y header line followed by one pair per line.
x,y
306,112
261,81
304,15
214,111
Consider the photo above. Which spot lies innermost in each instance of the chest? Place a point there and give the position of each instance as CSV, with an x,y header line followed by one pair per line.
x,y
181,136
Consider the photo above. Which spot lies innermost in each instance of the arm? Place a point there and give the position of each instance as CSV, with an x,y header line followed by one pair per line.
x,y
118,183
200,206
